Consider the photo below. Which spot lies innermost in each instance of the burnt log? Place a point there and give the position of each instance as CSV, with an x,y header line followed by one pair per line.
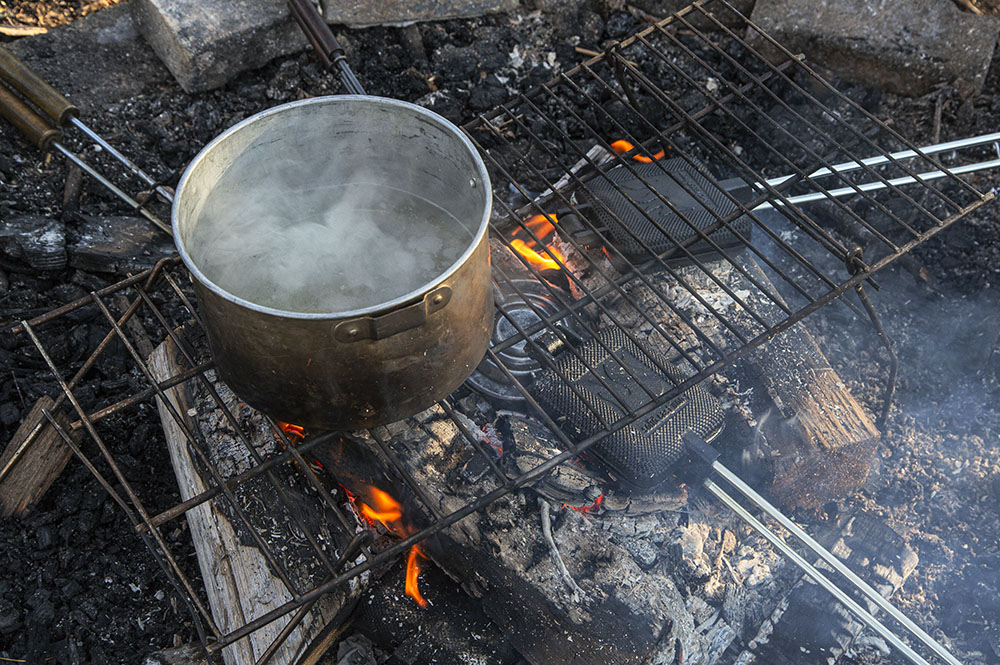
x,y
242,582
824,439
809,627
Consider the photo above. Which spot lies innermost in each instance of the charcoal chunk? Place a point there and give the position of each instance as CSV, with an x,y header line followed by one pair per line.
x,y
35,240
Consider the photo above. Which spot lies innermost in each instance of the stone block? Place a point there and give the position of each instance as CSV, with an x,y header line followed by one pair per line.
x,y
358,13
902,46
205,43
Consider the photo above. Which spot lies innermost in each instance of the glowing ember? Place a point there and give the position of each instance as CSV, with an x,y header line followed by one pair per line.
x,y
291,430
412,575
622,146
588,510
386,509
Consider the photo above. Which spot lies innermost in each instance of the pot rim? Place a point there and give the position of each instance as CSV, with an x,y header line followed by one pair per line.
x,y
406,299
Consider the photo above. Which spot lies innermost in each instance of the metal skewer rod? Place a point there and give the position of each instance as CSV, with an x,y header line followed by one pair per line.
x,y
325,43
872,186
831,560
813,572
128,163
63,112
844,167
76,159
40,132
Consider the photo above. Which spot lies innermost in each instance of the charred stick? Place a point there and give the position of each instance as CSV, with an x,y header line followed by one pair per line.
x,y
545,508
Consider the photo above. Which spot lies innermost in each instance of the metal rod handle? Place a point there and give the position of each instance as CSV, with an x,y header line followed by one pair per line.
x,y
33,126
844,167
873,186
815,574
833,561
60,111
35,90
325,43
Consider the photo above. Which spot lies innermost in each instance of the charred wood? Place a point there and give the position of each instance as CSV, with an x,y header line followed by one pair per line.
x,y
31,466
810,627
627,614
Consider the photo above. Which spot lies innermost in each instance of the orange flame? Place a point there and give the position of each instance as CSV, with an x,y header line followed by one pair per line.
x,y
541,261
292,430
412,574
386,509
593,508
621,146
542,228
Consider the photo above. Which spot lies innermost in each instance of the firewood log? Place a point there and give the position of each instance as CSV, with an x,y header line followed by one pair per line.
x,y
239,581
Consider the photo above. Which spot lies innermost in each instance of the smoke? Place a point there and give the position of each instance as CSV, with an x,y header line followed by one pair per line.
x,y
316,221
327,249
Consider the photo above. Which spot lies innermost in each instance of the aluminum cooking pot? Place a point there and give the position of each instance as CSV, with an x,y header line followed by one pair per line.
x,y
338,248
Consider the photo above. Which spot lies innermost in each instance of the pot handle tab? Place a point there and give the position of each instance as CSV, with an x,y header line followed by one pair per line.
x,y
387,325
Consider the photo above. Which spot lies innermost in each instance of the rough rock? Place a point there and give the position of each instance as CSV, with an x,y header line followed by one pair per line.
x,y
205,43
358,13
902,46
38,241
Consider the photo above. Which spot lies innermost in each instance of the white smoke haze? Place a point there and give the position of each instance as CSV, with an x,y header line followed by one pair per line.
x,y
331,240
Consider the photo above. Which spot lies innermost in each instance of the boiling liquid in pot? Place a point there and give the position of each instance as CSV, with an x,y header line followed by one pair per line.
x,y
325,250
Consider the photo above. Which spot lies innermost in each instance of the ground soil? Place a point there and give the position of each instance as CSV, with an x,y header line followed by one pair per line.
x,y
48,14
76,584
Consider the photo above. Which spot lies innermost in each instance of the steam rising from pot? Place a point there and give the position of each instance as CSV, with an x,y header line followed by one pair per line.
x,y
330,248
342,212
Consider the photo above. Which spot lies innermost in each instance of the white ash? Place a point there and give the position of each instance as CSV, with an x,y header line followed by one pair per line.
x,y
687,549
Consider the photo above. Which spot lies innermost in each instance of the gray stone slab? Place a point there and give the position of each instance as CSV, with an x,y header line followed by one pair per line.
x,y
903,46
360,13
205,43
95,62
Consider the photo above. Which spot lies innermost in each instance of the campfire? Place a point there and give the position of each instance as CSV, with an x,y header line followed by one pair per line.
x,y
613,482
389,513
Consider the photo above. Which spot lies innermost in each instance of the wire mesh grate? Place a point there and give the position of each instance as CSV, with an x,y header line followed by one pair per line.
x,y
680,188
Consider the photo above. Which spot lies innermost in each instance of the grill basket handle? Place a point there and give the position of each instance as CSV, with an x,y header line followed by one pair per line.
x,y
34,127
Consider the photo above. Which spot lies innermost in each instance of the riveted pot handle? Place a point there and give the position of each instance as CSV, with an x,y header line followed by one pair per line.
x,y
387,325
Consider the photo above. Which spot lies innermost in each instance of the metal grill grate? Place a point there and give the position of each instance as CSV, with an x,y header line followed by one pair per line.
x,y
734,267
